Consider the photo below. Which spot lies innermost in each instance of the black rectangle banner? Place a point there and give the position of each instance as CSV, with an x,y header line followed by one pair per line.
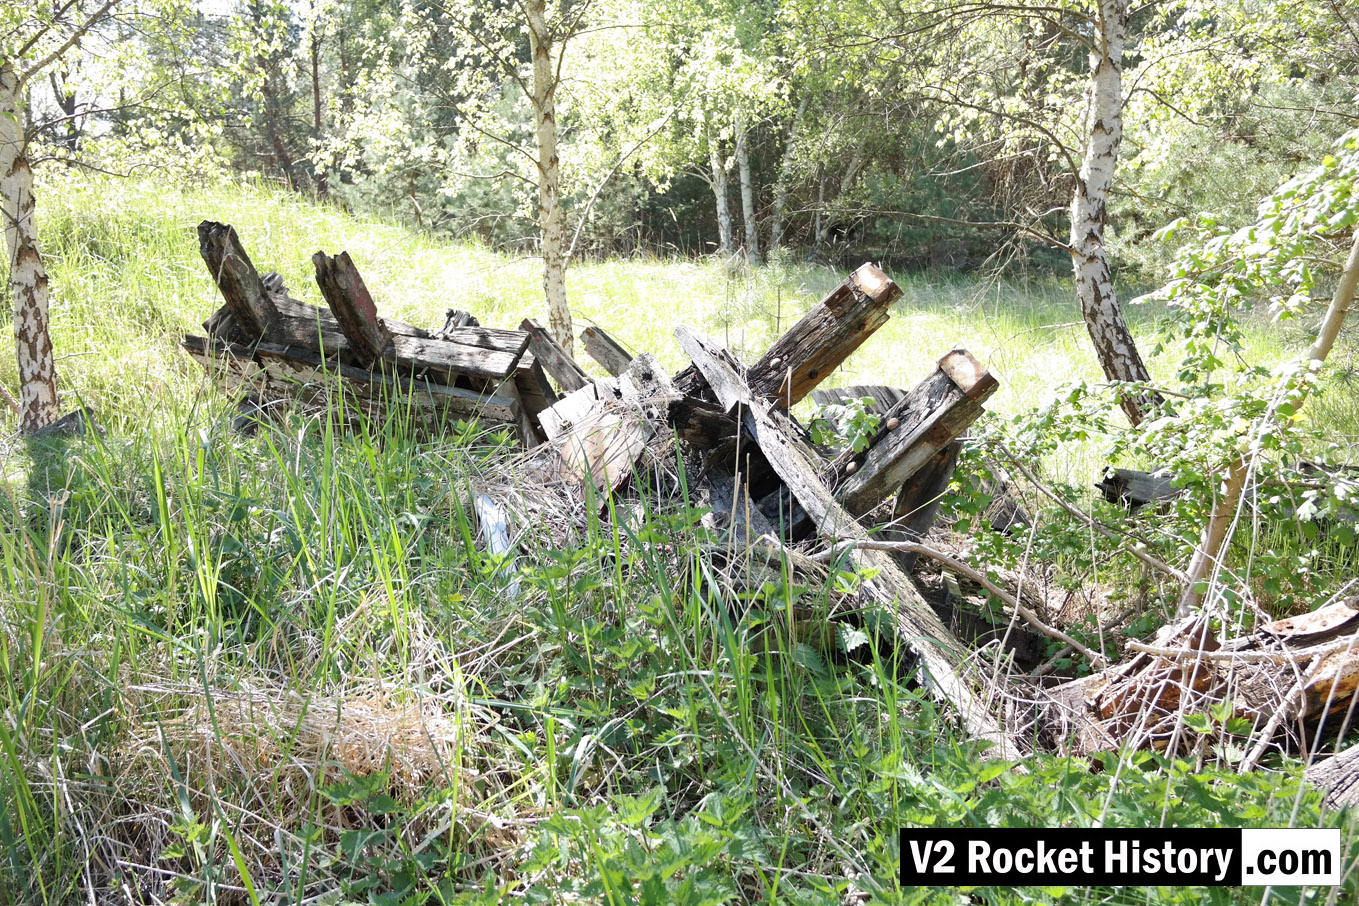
x,y
958,857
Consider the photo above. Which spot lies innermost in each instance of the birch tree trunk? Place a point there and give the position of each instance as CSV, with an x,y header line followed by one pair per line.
x,y
27,276
747,197
551,216
785,168
1103,128
719,168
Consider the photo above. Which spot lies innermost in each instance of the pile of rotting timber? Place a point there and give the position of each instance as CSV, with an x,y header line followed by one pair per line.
x,y
772,490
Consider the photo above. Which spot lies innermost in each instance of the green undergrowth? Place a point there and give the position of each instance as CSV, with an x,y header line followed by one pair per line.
x,y
282,669
128,281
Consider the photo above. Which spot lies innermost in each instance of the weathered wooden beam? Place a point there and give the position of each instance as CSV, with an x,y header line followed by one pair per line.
x,y
818,343
554,359
605,350
1338,777
931,415
238,281
347,295
917,626
917,502
494,527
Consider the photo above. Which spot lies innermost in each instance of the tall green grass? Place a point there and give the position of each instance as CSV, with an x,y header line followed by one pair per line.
x,y
181,608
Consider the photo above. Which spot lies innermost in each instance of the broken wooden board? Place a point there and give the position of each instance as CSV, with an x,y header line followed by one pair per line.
x,y
925,421
600,445
238,280
555,360
917,626
605,350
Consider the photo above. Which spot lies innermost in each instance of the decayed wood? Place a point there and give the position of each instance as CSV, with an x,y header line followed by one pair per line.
x,y
816,345
1291,676
554,359
1338,776
455,318
1136,489
917,625
917,501
605,350
272,371
599,434
824,337
238,281
353,306
935,412
535,391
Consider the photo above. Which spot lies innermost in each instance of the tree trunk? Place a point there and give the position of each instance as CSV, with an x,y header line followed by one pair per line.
x,y
1103,128
551,217
724,240
747,197
1215,533
318,126
27,276
781,190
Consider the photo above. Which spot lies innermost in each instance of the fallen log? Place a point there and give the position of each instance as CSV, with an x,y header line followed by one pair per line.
x,y
1289,677
917,626
1338,777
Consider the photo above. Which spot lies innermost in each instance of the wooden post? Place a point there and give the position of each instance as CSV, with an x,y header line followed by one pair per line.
x,y
931,415
917,503
556,360
917,625
238,281
348,297
816,345
605,350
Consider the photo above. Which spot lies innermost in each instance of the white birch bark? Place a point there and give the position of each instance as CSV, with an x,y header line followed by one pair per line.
x,y
785,171
747,197
27,275
1103,131
719,184
551,216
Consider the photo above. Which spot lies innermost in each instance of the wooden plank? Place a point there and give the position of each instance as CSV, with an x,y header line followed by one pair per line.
x,y
555,360
936,411
352,304
605,350
917,626
535,392
237,280
290,307
528,431
284,372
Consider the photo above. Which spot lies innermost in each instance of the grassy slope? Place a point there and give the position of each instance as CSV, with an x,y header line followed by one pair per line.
x,y
182,622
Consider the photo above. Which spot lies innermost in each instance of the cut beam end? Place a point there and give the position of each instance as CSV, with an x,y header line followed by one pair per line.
x,y
970,376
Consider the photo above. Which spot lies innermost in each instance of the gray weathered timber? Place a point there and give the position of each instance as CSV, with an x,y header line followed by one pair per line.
x,y
347,295
824,337
554,359
917,626
1338,776
494,527
818,343
238,281
284,372
605,350
932,414
451,359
